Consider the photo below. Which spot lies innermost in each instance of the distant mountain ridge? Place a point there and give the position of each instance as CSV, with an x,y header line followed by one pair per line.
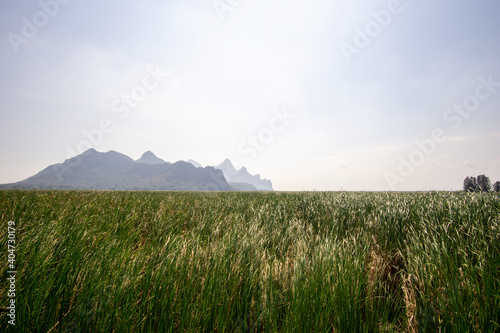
x,y
240,179
115,171
196,164
242,176
150,158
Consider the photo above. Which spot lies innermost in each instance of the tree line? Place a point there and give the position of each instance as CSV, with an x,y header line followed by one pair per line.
x,y
480,184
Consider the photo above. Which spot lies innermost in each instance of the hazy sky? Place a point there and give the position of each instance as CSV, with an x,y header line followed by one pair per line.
x,y
312,94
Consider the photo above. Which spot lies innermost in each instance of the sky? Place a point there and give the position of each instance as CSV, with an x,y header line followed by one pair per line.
x,y
312,94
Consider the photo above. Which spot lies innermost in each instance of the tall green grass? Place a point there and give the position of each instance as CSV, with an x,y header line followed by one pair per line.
x,y
253,262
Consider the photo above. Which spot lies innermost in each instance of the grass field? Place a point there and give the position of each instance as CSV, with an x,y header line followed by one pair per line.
x,y
253,262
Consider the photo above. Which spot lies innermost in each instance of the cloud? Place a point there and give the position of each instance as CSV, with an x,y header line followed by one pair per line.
x,y
462,138
472,164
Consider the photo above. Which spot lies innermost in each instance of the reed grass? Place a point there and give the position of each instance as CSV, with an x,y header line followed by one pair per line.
x,y
253,262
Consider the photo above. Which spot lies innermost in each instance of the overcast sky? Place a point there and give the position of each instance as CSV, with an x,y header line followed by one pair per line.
x,y
312,94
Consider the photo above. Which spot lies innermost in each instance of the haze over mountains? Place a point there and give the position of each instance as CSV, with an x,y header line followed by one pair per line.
x,y
242,176
150,158
116,171
241,179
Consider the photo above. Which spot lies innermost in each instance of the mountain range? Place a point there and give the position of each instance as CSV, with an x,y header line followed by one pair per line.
x,y
150,158
116,171
240,178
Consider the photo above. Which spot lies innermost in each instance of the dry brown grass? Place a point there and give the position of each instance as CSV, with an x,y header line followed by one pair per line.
x,y
409,293
388,282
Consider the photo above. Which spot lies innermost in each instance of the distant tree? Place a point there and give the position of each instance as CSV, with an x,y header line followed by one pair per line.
x,y
470,184
484,183
496,187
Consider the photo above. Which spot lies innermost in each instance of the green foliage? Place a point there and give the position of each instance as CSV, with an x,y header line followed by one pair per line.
x,y
471,185
496,187
484,183
253,262
479,184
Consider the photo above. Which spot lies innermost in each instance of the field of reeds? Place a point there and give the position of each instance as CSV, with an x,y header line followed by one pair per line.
x,y
253,262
